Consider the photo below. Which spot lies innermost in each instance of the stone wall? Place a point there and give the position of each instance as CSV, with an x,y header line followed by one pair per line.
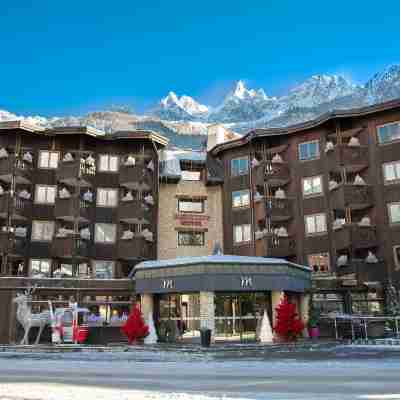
x,y
169,223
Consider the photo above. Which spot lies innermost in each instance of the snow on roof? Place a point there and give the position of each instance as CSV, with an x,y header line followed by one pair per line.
x,y
217,259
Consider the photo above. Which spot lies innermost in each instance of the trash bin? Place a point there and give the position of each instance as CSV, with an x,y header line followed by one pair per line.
x,y
205,335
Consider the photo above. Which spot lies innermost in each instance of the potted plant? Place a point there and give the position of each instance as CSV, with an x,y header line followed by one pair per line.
x,y
313,321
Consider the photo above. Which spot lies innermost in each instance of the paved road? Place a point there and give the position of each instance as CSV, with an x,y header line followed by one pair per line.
x,y
338,375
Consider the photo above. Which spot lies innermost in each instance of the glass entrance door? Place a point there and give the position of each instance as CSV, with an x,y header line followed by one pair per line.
x,y
238,315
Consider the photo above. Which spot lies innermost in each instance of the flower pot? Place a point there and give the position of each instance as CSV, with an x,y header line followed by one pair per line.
x,y
313,332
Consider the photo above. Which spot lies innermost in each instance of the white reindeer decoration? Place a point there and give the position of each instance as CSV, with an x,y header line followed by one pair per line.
x,y
27,319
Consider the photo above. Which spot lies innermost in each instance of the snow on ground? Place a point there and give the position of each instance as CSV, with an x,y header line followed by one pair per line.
x,y
25,391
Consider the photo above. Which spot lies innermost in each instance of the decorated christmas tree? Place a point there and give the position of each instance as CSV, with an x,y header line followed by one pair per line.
x,y
288,325
135,328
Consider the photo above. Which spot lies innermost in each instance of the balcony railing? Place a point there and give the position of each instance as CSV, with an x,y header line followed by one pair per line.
x,y
136,248
71,208
134,211
132,175
363,271
353,159
76,172
355,236
356,197
12,165
275,174
280,246
278,209
16,207
12,245
70,247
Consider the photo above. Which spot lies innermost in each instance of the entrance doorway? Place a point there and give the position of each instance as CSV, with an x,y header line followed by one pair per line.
x,y
237,315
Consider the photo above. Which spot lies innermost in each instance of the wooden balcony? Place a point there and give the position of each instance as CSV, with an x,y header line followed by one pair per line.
x,y
12,245
354,236
352,196
136,177
274,174
362,271
280,247
134,211
70,247
353,159
72,208
13,166
134,249
17,208
76,173
278,209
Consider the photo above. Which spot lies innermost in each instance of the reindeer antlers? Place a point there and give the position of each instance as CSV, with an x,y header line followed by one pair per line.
x,y
30,290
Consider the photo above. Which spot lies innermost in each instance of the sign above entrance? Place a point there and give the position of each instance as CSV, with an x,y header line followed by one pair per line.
x,y
246,281
167,284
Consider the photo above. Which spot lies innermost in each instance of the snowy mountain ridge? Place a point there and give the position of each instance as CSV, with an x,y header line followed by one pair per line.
x,y
185,121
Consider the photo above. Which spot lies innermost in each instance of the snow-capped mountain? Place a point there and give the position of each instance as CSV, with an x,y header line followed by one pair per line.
x,y
185,108
184,120
317,90
244,104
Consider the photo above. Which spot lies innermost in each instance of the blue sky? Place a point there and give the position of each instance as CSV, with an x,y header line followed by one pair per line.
x,y
71,57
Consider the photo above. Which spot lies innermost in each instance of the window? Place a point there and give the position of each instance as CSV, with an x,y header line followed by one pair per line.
x,y
42,231
64,271
108,163
239,166
193,206
396,255
103,269
312,186
319,263
48,159
40,268
315,223
105,233
242,233
394,212
328,302
45,194
309,150
191,175
389,132
241,198
190,238
107,197
391,172
85,270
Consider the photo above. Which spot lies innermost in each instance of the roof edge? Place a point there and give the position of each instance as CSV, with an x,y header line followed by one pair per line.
x,y
352,112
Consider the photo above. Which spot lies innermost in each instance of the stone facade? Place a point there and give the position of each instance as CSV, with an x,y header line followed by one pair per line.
x,y
171,221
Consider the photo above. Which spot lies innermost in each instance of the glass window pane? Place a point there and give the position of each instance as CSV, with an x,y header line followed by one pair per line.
x,y
394,212
53,159
390,173
321,224
51,194
114,163
237,233
246,233
307,188
44,159
310,224
103,269
245,198
317,184
103,163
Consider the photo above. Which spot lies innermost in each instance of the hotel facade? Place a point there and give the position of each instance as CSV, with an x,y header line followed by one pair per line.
x,y
86,217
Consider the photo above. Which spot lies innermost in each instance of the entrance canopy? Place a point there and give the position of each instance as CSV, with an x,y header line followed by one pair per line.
x,y
220,273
